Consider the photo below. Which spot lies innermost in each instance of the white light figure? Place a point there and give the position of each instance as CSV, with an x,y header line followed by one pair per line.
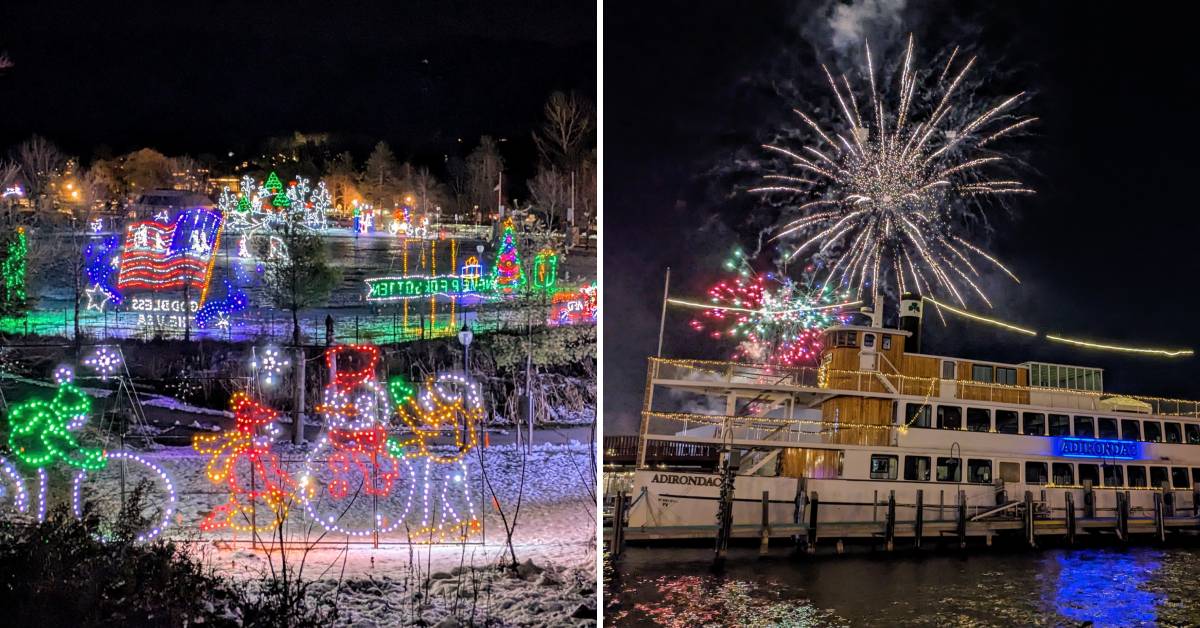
x,y
159,244
63,373
97,225
97,297
199,244
317,210
449,409
270,365
222,321
104,361
243,249
141,237
162,216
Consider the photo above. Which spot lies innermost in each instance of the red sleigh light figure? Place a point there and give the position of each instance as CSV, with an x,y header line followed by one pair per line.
x,y
449,408
355,458
241,458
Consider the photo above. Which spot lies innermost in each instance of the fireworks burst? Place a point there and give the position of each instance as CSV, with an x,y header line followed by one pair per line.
x,y
773,319
885,190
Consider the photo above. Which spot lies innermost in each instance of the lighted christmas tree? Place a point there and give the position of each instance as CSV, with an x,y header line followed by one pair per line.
x,y
13,272
243,204
281,200
273,184
507,273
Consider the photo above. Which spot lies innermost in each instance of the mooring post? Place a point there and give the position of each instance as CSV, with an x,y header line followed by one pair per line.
x,y
1196,499
920,525
1160,527
798,510
814,502
766,525
1089,500
890,527
618,542
1029,519
1168,499
962,520
1070,518
1123,515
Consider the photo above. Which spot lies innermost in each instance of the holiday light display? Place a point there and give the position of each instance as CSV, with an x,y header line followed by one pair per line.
x,y
272,183
101,258
104,361
885,197
12,271
18,491
449,406
574,307
40,435
163,256
773,319
420,286
241,460
471,268
545,270
270,365
507,274
360,461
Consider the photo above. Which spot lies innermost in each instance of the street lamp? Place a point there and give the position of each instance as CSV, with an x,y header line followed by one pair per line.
x,y
465,336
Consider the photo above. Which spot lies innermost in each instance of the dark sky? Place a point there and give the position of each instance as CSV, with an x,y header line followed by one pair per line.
x,y
1106,250
215,76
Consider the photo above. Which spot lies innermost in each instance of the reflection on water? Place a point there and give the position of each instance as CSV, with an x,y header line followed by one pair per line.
x,y
1103,587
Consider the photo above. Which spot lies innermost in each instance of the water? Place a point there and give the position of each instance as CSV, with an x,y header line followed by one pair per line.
x,y
1139,586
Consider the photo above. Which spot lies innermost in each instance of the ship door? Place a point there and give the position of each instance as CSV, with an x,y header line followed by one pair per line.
x,y
868,359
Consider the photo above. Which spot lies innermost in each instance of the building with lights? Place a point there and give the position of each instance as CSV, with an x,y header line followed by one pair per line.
x,y
880,441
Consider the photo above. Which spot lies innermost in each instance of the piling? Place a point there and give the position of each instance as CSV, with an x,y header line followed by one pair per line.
x,y
890,526
962,520
1160,528
920,522
1028,519
765,532
814,503
1070,518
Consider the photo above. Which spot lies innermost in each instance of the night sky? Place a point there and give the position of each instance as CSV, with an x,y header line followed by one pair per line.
x,y
219,76
1107,249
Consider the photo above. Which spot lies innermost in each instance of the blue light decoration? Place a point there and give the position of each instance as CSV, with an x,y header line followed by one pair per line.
x,y
1069,447
235,300
100,260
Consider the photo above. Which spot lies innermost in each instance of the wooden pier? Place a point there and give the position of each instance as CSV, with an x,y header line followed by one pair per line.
x,y
1023,526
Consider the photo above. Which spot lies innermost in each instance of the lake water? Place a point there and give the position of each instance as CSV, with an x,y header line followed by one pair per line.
x,y
1110,586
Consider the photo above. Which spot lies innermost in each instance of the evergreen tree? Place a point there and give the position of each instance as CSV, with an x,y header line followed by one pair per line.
x,y
507,273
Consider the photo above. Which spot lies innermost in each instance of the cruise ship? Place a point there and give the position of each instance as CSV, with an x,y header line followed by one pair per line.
x,y
880,439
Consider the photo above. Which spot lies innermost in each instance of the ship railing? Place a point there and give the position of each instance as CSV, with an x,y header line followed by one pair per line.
x,y
836,380
782,431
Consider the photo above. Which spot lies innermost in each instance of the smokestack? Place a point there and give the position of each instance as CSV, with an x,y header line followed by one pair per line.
x,y
910,320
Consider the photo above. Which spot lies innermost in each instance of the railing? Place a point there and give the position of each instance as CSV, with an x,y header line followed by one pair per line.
x,y
783,378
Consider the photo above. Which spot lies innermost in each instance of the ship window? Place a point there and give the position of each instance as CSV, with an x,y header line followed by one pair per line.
x,y
1173,433
868,341
845,339
1084,428
1131,429
1196,475
1192,432
1089,473
981,373
1010,472
1060,425
1113,475
916,468
1035,473
1179,477
949,469
1089,381
1158,475
1006,376
1153,431
1137,475
1006,421
883,467
917,414
1035,424
1064,473
1107,428
947,369
949,417
979,420
887,342
979,471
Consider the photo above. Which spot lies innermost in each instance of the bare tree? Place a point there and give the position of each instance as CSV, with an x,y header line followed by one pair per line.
x,y
40,161
427,190
484,166
381,175
550,190
564,137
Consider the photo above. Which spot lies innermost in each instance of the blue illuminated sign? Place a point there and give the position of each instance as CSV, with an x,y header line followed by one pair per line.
x,y
1097,448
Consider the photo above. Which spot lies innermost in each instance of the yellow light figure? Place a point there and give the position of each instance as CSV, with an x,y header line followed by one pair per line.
x,y
448,409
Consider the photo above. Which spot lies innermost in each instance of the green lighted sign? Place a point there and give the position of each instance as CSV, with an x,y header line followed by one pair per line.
x,y
416,287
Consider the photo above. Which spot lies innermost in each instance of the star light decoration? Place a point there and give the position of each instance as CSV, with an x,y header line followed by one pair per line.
x,y
104,361
270,366
97,298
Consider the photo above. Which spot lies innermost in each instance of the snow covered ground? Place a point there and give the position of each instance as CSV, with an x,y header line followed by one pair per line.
x,y
403,583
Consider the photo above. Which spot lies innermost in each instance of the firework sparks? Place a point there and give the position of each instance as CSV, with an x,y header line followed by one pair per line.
x,y
884,188
773,319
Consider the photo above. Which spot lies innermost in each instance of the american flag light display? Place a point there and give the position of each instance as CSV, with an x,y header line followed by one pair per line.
x,y
163,256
